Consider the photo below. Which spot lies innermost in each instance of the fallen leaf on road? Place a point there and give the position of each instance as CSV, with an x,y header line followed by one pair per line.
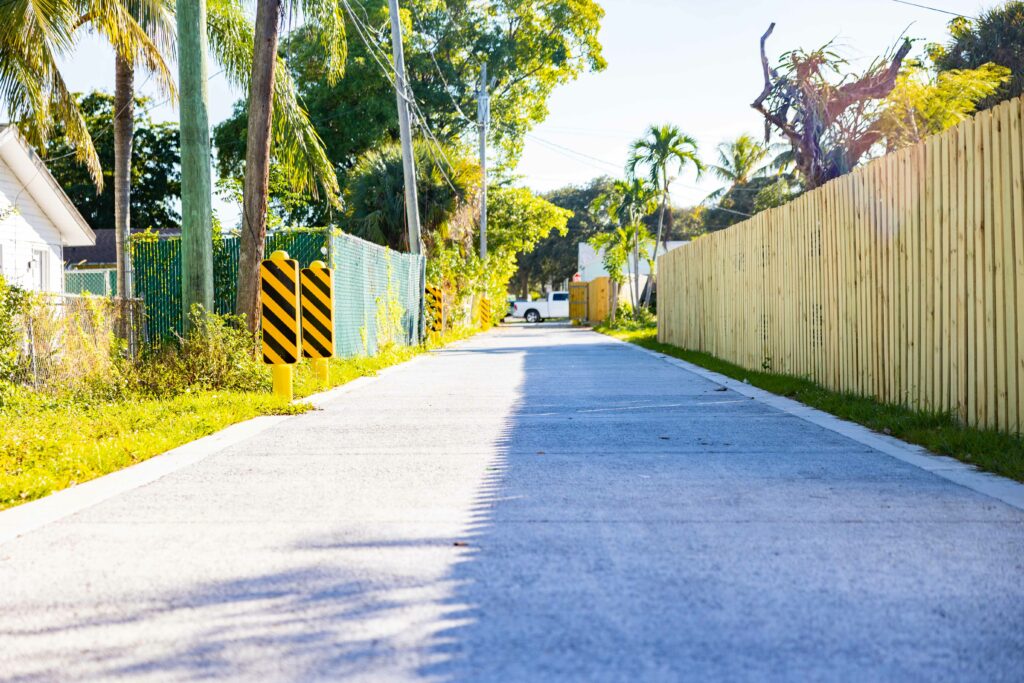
x,y
721,389
460,544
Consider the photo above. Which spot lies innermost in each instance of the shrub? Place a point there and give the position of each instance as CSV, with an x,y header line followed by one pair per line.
x,y
217,353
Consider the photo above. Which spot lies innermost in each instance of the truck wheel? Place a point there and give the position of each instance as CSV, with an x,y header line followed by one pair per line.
x,y
532,316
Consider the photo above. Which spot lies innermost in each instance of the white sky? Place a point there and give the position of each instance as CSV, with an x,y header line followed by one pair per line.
x,y
693,63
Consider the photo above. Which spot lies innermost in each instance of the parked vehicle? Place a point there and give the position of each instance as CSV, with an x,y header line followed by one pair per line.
x,y
555,306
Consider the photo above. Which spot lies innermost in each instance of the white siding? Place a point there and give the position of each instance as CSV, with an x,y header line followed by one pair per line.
x,y
25,232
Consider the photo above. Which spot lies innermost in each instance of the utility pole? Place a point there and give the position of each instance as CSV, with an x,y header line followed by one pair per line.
x,y
196,209
483,117
412,211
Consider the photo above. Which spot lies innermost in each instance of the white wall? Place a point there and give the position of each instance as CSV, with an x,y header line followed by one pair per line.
x,y
591,266
25,233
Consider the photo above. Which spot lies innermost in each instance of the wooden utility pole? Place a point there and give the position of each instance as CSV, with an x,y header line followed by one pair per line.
x,y
483,116
412,209
196,187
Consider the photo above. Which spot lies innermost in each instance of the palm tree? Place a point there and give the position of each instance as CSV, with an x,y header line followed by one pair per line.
x,y
626,203
329,18
35,34
664,151
739,160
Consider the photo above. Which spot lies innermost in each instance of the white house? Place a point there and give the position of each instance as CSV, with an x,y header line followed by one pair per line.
x,y
37,220
590,264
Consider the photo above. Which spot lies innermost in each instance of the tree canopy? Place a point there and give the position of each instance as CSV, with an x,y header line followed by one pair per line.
x,y
997,37
155,170
530,49
556,257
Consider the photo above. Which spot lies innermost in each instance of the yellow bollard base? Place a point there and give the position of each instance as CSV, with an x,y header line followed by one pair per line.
x,y
322,370
282,375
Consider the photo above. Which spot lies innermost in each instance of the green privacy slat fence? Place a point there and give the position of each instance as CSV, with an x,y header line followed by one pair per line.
x,y
378,292
378,295
158,274
101,282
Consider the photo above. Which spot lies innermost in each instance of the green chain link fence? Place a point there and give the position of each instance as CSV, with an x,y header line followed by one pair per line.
x,y
378,296
99,281
378,292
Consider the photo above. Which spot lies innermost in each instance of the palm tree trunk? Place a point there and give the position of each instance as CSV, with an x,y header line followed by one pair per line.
x,y
654,252
636,270
124,116
257,161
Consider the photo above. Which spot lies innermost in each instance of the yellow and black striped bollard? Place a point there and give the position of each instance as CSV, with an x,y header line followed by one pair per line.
x,y
279,301
435,311
318,317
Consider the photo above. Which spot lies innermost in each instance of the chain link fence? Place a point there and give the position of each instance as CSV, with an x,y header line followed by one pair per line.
x,y
378,293
378,296
98,281
71,341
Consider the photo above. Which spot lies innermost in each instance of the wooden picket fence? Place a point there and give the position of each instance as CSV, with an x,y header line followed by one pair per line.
x,y
903,280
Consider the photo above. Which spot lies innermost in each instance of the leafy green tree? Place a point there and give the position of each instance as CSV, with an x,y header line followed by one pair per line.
x,y
517,221
531,48
924,103
996,37
155,171
625,204
556,258
663,152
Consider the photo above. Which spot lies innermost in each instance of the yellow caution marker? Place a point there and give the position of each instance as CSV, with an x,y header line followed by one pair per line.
x,y
435,311
318,317
279,301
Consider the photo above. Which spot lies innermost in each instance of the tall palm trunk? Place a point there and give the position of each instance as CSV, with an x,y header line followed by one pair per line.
x,y
654,250
257,161
124,131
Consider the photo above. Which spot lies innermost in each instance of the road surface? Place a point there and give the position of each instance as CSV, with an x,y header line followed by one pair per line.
x,y
537,504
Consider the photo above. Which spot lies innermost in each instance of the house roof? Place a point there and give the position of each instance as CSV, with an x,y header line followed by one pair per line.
x,y
32,173
104,252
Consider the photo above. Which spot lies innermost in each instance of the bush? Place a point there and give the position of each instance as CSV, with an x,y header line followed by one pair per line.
x,y
627,319
218,353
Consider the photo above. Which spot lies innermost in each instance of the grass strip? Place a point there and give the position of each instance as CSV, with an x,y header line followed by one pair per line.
x,y
940,433
50,443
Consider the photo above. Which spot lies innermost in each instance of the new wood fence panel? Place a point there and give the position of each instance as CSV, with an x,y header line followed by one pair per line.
x,y
903,280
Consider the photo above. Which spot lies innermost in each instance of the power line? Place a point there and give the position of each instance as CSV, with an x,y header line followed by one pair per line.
x,y
932,9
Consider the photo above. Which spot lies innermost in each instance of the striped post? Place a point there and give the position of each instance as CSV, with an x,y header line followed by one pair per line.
x,y
318,317
279,301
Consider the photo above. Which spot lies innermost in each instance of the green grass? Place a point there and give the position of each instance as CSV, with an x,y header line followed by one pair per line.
x,y
47,443
940,433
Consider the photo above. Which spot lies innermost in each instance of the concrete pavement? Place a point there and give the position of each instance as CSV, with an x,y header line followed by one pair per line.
x,y
540,503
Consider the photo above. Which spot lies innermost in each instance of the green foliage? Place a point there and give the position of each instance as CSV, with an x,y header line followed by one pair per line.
x,y
300,160
661,154
739,161
925,103
217,353
995,37
155,172
447,189
556,257
629,319
517,221
12,303
940,433
743,200
531,49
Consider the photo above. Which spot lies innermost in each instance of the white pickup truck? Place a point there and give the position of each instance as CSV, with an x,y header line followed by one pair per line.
x,y
555,306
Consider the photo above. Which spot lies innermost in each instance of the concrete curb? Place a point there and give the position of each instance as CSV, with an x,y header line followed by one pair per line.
x,y
20,520
951,469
